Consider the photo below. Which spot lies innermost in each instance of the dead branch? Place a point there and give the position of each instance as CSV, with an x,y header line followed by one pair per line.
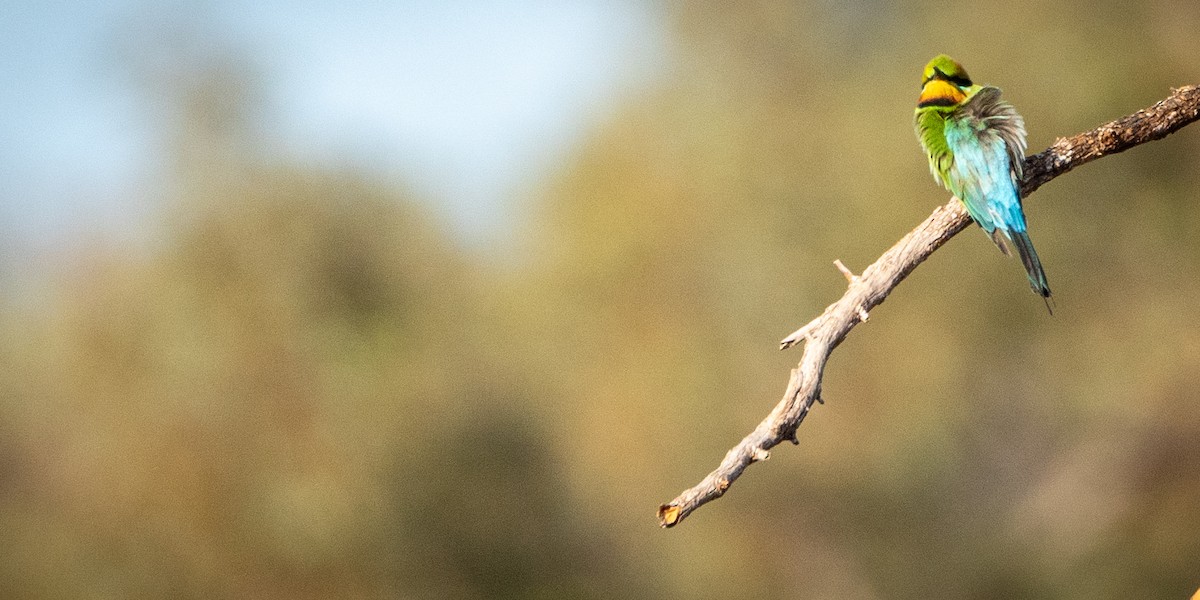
x,y
868,290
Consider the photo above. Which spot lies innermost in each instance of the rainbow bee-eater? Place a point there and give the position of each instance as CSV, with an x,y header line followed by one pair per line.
x,y
976,147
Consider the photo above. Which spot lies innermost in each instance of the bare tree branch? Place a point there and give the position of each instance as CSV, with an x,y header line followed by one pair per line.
x,y
866,291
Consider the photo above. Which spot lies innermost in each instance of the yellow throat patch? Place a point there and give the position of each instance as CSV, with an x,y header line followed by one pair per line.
x,y
938,92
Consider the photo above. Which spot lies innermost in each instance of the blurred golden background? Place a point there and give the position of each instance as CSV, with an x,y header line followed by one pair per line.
x,y
257,360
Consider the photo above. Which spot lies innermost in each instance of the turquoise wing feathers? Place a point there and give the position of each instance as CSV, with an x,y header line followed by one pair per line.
x,y
985,169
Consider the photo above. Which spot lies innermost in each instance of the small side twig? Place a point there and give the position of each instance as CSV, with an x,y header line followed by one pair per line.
x,y
851,278
868,290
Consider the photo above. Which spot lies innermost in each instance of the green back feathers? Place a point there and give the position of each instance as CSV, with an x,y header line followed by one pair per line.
x,y
931,131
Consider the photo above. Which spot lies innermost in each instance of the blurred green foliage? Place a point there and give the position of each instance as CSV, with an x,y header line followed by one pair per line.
x,y
303,388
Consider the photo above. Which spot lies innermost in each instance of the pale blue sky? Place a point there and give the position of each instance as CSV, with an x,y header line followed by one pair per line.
x,y
468,102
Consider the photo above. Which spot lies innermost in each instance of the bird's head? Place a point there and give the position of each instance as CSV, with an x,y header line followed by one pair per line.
x,y
944,83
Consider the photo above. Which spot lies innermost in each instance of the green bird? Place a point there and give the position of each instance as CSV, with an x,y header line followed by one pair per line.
x,y
976,146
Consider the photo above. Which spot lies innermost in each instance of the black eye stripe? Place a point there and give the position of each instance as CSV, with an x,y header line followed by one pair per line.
x,y
956,80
